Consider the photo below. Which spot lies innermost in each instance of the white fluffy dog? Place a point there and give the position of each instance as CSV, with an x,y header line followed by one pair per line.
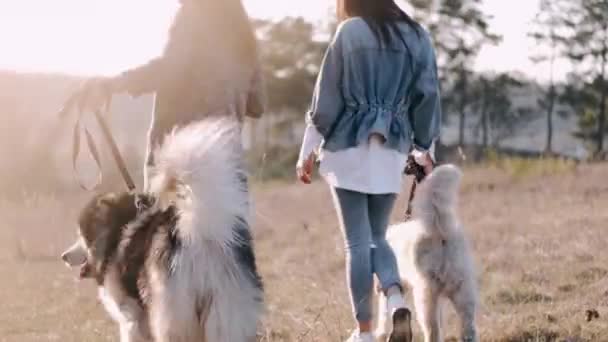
x,y
434,258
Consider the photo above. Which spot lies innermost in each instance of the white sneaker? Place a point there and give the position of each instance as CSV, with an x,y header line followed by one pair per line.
x,y
395,302
401,317
361,337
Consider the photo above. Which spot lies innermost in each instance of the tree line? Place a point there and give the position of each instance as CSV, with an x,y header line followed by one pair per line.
x,y
484,105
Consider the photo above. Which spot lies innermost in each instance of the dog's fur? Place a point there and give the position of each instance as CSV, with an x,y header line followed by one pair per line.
x,y
434,258
177,264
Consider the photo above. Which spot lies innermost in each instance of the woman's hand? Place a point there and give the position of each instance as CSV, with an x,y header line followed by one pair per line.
x,y
425,160
95,93
305,169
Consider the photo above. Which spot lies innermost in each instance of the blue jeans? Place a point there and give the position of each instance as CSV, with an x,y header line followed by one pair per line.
x,y
364,220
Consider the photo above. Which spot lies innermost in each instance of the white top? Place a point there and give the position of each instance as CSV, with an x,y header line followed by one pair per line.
x,y
370,168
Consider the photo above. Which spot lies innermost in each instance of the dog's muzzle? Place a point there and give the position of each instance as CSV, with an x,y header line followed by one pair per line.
x,y
75,256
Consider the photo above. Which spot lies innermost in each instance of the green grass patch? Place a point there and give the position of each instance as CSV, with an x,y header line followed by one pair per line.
x,y
521,168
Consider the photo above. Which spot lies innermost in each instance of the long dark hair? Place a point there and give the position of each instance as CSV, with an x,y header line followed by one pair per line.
x,y
229,20
382,16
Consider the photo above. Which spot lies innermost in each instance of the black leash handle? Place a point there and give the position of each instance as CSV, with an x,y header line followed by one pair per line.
x,y
408,211
92,150
120,163
413,169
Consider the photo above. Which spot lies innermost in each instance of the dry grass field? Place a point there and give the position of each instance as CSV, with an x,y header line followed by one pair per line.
x,y
538,231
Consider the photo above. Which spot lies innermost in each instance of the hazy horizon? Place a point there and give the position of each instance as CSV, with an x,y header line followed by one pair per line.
x,y
74,38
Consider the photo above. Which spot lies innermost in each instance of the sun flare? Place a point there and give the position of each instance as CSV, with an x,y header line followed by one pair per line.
x,y
88,37
101,37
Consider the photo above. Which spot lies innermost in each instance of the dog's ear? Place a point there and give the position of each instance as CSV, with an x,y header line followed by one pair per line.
x,y
119,208
100,251
116,210
143,202
108,199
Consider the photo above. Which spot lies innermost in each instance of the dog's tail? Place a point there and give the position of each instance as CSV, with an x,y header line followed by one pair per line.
x,y
199,168
435,202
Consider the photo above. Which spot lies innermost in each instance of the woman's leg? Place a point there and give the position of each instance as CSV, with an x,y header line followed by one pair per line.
x,y
352,209
383,257
385,267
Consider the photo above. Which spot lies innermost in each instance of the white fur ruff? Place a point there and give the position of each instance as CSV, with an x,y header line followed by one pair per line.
x,y
434,259
204,159
198,168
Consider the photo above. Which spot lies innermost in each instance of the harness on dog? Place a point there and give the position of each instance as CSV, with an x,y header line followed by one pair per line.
x,y
413,169
70,104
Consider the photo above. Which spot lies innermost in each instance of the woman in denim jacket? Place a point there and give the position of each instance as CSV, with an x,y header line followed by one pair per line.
x,y
375,100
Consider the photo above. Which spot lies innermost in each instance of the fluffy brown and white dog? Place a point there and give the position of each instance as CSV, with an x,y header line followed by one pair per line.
x,y
434,259
177,263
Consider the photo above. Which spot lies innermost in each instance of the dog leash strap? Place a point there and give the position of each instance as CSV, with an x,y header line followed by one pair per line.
x,y
120,163
92,146
413,169
92,150
408,211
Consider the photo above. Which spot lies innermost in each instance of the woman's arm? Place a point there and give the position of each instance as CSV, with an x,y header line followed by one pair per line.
x,y
327,105
425,112
310,143
140,80
151,76
328,100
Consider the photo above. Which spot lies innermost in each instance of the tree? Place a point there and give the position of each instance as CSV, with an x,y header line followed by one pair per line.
x,y
499,116
548,32
291,57
582,96
586,43
459,29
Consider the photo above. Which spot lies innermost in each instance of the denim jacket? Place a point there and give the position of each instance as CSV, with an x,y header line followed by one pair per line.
x,y
366,88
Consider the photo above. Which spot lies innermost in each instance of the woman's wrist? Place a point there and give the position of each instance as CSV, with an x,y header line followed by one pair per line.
x,y
303,159
311,141
421,157
419,151
117,84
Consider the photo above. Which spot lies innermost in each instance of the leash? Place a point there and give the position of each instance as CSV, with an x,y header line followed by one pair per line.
x,y
413,169
74,101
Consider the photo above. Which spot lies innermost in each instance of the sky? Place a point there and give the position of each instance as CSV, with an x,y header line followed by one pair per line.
x,y
90,37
